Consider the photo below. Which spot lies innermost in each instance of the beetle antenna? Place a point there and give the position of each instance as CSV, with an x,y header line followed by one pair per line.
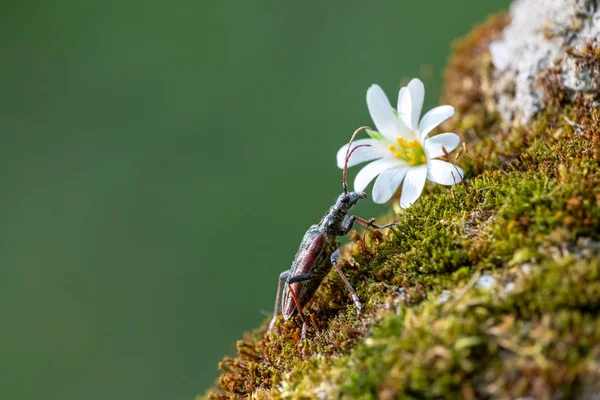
x,y
346,164
349,153
356,132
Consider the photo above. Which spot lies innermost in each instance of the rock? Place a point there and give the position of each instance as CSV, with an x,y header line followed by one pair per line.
x,y
550,48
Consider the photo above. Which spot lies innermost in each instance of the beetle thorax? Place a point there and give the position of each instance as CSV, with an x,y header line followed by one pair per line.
x,y
332,222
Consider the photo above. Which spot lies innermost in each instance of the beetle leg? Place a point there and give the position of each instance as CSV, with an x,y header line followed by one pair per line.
x,y
366,224
348,224
351,220
283,276
302,278
295,298
334,259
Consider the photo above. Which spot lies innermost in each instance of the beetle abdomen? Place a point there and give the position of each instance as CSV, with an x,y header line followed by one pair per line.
x,y
312,257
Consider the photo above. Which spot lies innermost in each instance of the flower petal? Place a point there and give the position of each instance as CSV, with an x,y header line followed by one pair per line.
x,y
405,107
433,145
383,115
444,173
413,185
417,95
387,183
370,171
362,154
433,118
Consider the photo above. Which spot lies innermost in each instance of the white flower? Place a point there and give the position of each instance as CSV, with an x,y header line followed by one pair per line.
x,y
400,150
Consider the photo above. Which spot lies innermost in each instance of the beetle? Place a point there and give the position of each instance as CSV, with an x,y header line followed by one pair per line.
x,y
319,251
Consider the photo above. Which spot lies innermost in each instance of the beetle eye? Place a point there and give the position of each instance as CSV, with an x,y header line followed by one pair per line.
x,y
345,199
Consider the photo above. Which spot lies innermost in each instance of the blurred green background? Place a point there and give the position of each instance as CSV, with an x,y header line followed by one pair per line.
x,y
159,164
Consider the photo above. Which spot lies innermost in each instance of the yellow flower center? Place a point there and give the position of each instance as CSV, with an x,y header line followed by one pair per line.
x,y
409,151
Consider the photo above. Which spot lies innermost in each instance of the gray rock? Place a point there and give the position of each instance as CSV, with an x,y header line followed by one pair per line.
x,y
542,36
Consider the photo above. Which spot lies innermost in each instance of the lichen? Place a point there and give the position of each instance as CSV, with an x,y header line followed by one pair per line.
x,y
488,290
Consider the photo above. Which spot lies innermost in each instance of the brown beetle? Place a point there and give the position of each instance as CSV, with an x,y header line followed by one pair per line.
x,y
318,252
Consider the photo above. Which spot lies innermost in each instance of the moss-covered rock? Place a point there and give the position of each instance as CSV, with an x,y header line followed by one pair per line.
x,y
488,290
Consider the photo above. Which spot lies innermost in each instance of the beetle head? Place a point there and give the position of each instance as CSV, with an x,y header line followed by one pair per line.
x,y
346,200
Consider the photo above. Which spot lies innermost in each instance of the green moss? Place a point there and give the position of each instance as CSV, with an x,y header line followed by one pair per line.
x,y
533,339
527,215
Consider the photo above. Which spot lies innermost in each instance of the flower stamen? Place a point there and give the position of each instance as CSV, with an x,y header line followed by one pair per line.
x,y
410,151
